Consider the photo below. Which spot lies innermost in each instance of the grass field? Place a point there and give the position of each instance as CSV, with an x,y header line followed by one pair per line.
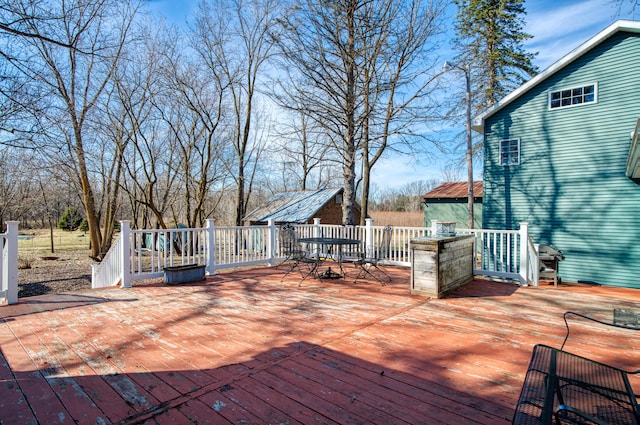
x,y
398,218
37,242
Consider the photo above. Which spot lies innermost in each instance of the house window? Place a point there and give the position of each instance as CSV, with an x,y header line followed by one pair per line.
x,y
339,199
510,152
573,96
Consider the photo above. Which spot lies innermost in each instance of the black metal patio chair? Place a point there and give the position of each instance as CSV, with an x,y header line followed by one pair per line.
x,y
369,260
295,255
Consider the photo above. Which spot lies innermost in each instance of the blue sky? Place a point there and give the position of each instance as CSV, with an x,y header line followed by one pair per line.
x,y
560,26
557,26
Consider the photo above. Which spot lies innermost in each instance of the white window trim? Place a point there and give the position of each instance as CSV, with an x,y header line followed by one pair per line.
x,y
595,96
517,139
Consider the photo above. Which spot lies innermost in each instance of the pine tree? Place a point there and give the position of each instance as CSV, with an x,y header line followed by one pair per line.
x,y
70,220
490,36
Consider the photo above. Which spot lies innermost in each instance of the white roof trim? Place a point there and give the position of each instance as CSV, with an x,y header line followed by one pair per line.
x,y
621,25
633,160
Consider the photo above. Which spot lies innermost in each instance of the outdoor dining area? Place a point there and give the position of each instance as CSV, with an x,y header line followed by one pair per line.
x,y
252,345
308,255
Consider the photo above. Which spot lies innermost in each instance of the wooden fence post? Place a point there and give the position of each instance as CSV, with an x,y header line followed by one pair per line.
x,y
211,244
316,227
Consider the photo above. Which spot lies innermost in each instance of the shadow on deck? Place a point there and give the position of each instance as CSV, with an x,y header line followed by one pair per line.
x,y
244,347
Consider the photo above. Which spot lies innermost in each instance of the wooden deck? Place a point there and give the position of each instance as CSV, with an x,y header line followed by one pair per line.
x,y
244,347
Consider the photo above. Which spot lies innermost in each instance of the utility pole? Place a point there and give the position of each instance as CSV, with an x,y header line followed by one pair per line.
x,y
466,69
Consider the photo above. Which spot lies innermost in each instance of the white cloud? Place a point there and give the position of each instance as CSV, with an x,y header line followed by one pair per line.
x,y
560,29
548,24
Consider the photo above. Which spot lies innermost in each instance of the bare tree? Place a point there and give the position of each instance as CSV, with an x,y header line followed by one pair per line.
x,y
145,102
194,116
626,6
360,70
12,18
321,52
398,80
407,197
91,36
16,182
232,39
305,151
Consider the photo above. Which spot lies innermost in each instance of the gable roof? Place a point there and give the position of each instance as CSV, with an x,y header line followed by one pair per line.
x,y
292,207
584,48
454,190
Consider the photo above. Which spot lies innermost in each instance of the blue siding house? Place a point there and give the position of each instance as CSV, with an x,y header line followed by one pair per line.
x,y
561,153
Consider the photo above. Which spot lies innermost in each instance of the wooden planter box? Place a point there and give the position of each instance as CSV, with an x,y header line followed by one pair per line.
x,y
441,265
183,274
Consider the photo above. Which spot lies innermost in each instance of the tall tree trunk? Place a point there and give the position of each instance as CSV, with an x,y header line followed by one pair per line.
x,y
95,235
349,164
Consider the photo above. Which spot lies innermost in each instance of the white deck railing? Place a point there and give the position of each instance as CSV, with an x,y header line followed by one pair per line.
x,y
110,271
506,254
499,253
9,264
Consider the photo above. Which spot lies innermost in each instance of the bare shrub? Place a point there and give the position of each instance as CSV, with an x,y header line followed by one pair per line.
x,y
25,263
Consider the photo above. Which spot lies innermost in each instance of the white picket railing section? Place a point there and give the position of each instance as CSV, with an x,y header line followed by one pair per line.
x,y
499,253
110,270
507,254
9,264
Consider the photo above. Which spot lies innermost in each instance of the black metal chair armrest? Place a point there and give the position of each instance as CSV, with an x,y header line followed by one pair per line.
x,y
566,324
563,409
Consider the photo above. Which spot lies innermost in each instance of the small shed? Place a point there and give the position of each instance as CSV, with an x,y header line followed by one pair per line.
x,y
301,207
448,202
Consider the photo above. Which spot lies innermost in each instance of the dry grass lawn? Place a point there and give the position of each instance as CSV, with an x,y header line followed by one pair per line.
x,y
398,218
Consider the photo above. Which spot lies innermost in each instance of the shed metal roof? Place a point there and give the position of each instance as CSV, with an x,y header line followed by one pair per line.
x,y
454,190
292,207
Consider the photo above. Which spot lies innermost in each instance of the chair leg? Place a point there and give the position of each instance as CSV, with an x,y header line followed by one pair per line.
x,y
312,269
383,274
294,265
364,271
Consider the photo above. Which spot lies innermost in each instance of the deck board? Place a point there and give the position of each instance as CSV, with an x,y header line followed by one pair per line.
x,y
244,347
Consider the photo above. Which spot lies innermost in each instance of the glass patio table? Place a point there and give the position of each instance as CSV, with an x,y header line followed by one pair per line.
x,y
329,243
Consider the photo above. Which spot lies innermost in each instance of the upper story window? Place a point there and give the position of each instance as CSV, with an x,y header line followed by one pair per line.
x,y
573,96
510,152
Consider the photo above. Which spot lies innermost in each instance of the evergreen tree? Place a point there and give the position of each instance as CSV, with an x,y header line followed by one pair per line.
x,y
490,36
70,220
84,225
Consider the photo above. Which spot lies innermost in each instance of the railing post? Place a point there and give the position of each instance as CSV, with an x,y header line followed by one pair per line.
x,y
94,274
368,233
125,254
524,252
316,227
434,228
10,264
211,244
271,241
